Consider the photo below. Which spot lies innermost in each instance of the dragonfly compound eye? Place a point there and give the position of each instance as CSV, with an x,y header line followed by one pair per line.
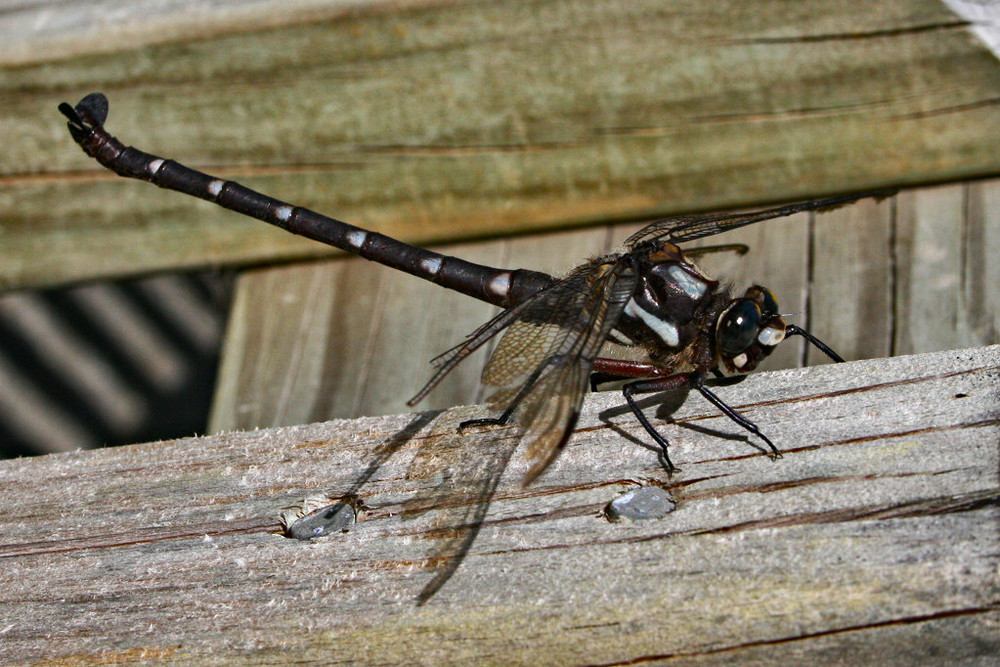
x,y
763,298
738,327
770,303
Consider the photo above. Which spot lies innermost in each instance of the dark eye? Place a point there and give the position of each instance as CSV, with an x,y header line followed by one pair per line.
x,y
738,327
763,296
770,304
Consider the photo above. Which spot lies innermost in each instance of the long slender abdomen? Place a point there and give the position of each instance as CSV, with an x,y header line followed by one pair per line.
x,y
497,286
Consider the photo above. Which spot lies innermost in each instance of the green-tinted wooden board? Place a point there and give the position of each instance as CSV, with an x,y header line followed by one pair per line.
x,y
448,120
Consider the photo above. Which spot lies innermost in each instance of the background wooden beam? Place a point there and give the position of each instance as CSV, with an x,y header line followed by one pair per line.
x,y
446,120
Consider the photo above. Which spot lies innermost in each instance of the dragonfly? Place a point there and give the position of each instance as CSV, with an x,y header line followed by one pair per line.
x,y
652,299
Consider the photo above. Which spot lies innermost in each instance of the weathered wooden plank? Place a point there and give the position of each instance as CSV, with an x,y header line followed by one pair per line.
x,y
438,120
980,296
948,240
851,290
875,536
929,232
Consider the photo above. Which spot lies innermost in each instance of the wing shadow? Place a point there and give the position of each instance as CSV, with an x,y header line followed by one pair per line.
x,y
459,472
467,467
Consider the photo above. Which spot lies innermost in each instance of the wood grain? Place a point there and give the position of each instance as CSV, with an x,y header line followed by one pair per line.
x,y
437,121
874,538
949,238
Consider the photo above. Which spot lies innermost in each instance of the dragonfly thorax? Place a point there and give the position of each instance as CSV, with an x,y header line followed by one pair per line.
x,y
672,303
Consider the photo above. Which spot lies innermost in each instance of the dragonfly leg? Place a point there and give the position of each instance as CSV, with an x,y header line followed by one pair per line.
x,y
698,382
598,378
648,387
792,330
614,370
521,394
489,421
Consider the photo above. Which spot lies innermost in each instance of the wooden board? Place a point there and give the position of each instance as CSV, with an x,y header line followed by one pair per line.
x,y
445,120
875,538
324,340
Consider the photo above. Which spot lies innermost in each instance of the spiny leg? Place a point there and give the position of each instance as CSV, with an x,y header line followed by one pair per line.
x,y
698,382
647,387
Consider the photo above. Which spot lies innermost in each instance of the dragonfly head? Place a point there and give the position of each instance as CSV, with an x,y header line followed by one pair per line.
x,y
748,330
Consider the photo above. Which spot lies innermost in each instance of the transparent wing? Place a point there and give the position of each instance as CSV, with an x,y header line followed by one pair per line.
x,y
445,362
541,366
691,227
543,362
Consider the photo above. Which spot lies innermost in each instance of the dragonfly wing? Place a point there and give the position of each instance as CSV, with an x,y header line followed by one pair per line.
x,y
543,362
535,308
691,227
445,362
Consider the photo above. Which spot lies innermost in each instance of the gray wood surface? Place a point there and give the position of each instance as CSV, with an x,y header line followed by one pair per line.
x,y
343,338
874,539
440,121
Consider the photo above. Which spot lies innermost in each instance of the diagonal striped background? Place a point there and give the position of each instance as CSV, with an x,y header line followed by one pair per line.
x,y
109,363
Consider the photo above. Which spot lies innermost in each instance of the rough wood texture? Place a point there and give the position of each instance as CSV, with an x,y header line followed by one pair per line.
x,y
874,539
343,338
443,120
